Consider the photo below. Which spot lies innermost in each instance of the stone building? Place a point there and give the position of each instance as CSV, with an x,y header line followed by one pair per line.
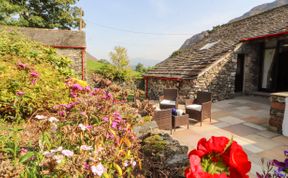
x,y
247,56
68,43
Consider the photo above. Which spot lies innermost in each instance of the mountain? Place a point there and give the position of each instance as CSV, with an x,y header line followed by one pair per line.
x,y
256,10
262,8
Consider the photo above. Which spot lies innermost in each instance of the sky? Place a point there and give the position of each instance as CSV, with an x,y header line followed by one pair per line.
x,y
151,30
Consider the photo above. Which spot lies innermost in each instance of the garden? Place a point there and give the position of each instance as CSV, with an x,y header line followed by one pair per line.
x,y
55,125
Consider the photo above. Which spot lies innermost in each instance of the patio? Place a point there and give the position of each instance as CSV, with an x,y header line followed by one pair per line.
x,y
246,119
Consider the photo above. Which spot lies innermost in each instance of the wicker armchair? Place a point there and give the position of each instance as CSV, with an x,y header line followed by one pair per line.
x,y
163,119
200,108
169,99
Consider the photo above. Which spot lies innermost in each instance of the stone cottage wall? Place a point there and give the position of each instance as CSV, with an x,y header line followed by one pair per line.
x,y
76,56
219,80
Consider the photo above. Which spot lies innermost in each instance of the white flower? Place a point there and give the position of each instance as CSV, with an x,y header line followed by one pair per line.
x,y
53,119
125,163
58,158
40,117
67,153
86,148
133,163
98,170
82,127
48,154
54,127
60,148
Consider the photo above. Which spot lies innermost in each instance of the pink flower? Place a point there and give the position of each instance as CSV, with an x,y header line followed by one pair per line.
x,y
34,74
23,151
86,148
133,163
106,119
76,87
21,66
58,158
114,124
48,154
86,166
67,153
53,119
20,93
84,127
98,170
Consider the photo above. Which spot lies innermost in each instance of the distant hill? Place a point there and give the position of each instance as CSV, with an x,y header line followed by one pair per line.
x,y
89,56
262,8
256,10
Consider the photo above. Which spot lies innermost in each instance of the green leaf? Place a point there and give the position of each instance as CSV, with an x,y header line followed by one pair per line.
x,y
26,157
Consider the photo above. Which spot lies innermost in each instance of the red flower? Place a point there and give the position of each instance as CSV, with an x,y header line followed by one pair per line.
x,y
218,158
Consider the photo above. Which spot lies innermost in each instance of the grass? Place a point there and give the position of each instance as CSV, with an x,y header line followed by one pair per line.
x,y
93,65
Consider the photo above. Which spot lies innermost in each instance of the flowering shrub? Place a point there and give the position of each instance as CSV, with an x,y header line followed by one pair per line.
x,y
218,157
89,136
275,168
32,77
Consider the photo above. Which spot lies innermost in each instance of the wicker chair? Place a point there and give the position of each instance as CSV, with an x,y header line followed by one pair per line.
x,y
169,99
163,119
200,108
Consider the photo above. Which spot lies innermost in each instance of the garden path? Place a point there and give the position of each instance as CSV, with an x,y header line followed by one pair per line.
x,y
246,119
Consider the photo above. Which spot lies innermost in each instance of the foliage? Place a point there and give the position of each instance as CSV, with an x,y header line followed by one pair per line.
x,y
119,58
62,14
32,77
218,157
117,71
90,136
142,69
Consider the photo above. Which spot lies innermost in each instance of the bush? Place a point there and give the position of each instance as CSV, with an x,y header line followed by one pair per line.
x,y
32,77
90,136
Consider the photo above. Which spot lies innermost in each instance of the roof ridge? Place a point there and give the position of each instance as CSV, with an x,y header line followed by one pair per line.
x,y
38,28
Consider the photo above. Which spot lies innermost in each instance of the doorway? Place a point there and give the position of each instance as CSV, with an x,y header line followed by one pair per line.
x,y
239,78
282,78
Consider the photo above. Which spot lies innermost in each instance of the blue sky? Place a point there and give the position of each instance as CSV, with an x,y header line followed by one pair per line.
x,y
181,17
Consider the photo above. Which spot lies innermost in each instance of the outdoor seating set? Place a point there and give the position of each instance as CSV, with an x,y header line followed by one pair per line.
x,y
170,116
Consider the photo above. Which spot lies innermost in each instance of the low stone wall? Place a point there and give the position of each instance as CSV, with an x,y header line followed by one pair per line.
x,y
277,111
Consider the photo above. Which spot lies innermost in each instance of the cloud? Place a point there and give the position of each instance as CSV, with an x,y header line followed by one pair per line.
x,y
161,7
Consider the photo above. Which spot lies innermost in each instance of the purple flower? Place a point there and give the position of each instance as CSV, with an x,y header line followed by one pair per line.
x,y
34,74
23,151
48,154
67,153
286,153
61,113
20,93
88,89
98,170
21,66
106,119
114,124
86,148
76,87
86,166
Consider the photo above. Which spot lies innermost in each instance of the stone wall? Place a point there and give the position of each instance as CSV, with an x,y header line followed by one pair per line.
x,y
218,79
277,111
75,55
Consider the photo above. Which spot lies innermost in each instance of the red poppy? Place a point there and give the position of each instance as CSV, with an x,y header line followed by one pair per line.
x,y
218,158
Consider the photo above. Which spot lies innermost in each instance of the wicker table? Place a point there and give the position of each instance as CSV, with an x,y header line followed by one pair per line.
x,y
180,120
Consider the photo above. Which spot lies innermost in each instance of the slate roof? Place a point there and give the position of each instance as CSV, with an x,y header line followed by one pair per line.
x,y
190,62
52,37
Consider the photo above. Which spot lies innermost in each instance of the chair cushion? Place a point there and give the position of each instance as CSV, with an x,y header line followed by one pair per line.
x,y
179,112
196,107
168,102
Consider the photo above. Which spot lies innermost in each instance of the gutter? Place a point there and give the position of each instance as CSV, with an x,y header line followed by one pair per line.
x,y
264,36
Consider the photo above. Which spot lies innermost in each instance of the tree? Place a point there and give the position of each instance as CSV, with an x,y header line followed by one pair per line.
x,y
62,14
140,68
119,58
